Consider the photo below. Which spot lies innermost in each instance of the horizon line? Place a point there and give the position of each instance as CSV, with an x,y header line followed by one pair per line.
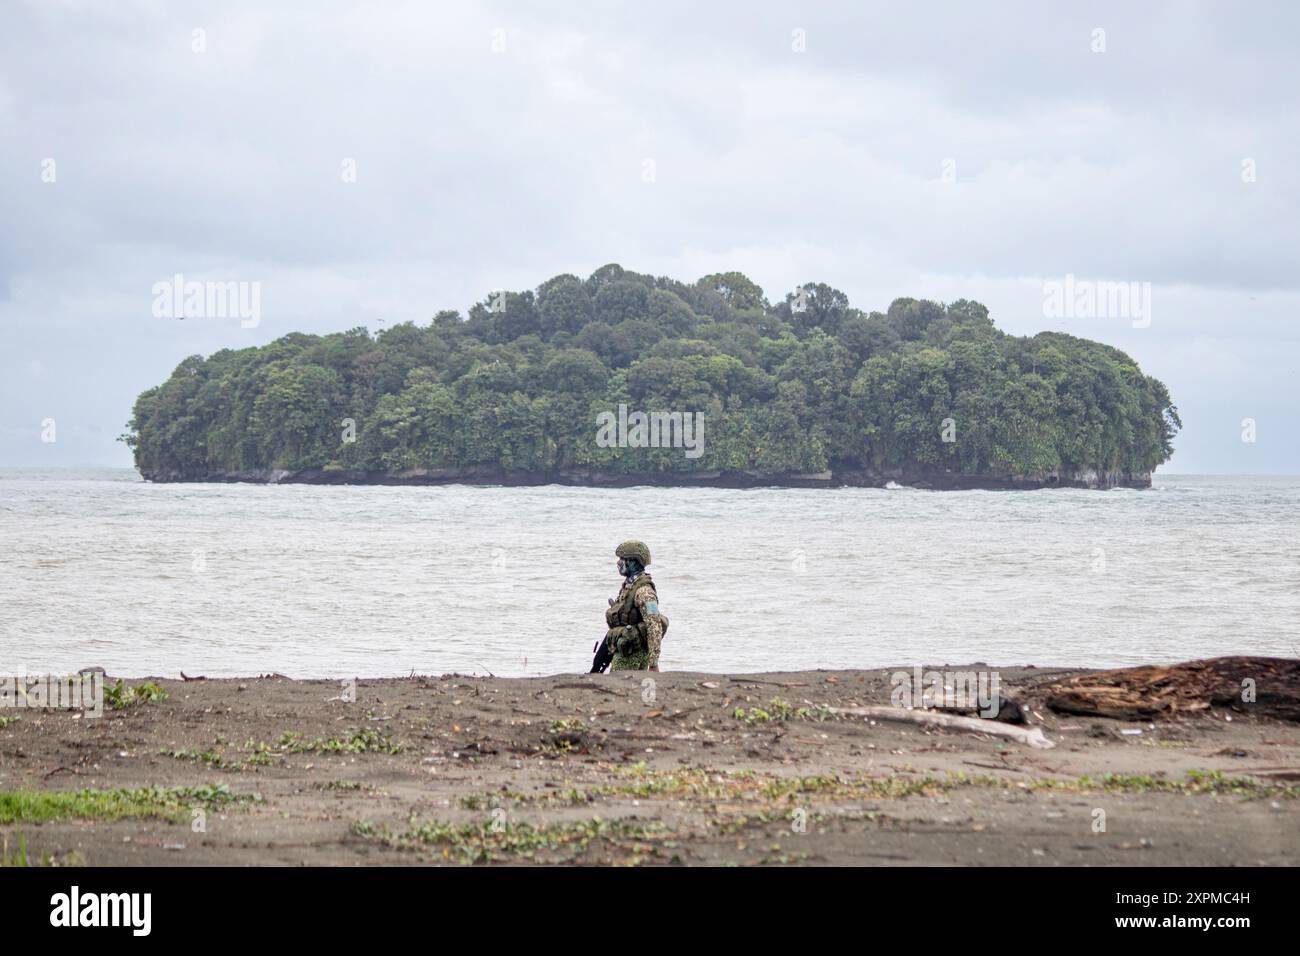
x,y
1157,474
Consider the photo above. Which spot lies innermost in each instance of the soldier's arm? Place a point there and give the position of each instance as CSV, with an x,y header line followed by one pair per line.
x,y
649,608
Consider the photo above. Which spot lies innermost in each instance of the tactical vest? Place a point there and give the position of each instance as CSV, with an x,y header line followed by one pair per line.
x,y
624,612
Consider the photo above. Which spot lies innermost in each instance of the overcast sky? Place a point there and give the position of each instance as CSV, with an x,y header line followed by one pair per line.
x,y
934,150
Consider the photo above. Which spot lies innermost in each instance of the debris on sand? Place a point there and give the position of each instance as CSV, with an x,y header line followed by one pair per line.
x,y
1260,686
1032,737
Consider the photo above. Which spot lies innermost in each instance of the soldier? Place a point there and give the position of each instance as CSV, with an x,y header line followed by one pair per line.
x,y
636,625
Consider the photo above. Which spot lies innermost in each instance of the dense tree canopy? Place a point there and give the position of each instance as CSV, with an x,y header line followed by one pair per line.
x,y
803,386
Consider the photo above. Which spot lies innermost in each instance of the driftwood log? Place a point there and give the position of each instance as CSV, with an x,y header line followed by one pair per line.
x,y
1032,737
1261,686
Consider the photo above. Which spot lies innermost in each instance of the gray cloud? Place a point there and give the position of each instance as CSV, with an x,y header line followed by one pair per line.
x,y
479,170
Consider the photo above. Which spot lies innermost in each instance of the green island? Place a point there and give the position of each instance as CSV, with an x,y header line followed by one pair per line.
x,y
807,392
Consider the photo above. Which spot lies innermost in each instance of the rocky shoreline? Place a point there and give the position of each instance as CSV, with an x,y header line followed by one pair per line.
x,y
926,479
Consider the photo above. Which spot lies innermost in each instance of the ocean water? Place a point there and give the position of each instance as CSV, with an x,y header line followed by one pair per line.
x,y
100,568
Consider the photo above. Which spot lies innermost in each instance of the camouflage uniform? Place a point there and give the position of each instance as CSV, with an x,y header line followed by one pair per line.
x,y
636,623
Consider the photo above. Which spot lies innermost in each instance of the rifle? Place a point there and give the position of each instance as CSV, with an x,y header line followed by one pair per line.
x,y
603,656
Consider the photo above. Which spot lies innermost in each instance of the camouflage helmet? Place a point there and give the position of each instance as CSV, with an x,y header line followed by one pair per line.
x,y
634,549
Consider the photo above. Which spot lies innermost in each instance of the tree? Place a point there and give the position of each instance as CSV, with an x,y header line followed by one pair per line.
x,y
565,307
517,386
618,300
735,289
911,317
815,305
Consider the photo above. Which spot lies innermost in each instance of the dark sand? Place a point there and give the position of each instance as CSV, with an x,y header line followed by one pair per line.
x,y
580,768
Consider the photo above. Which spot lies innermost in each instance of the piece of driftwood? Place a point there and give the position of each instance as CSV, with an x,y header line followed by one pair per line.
x,y
1033,737
1262,686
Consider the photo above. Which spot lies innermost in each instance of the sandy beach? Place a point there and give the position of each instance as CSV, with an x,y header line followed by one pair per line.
x,y
695,769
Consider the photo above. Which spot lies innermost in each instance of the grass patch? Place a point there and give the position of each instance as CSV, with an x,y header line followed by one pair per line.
x,y
747,786
1197,782
20,856
363,741
260,753
467,843
122,696
716,786
167,803
778,711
